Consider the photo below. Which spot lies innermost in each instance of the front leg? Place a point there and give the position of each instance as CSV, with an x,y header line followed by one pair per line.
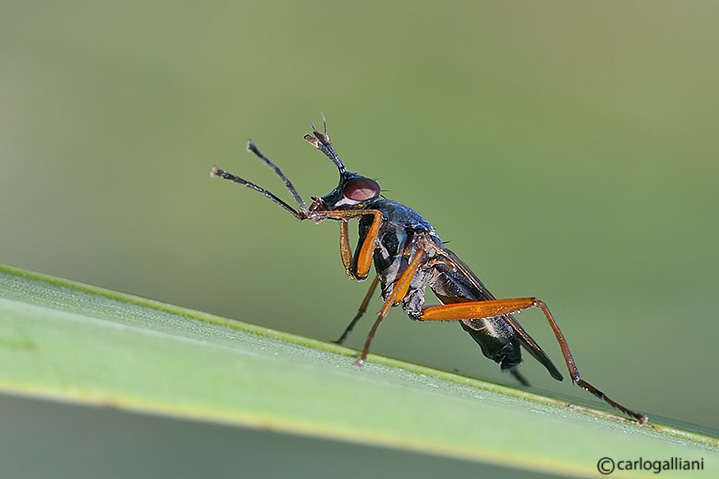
x,y
346,248
364,256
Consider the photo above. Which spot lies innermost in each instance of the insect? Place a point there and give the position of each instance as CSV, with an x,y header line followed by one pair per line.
x,y
409,257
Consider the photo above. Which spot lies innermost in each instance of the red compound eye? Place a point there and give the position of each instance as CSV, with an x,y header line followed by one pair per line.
x,y
361,189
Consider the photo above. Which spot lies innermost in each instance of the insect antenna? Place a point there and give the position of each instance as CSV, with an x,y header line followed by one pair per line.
x,y
321,141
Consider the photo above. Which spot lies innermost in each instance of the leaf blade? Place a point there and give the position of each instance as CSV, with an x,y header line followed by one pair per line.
x,y
74,342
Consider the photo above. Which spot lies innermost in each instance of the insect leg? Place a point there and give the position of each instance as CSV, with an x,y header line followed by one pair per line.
x,y
360,312
288,184
218,173
364,259
502,307
519,377
346,248
303,210
398,293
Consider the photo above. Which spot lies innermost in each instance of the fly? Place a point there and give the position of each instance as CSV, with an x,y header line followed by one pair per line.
x,y
409,257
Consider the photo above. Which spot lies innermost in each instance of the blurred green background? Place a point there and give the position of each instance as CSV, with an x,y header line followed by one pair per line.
x,y
566,150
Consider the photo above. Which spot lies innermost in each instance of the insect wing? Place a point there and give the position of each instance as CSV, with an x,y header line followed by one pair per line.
x,y
481,293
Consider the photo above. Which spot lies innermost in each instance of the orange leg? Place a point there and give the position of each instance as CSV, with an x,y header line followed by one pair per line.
x,y
364,259
346,248
503,307
398,293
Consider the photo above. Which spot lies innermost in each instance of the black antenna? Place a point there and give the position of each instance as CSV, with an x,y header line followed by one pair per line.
x,y
321,141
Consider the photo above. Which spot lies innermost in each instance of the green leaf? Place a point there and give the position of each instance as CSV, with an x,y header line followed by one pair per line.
x,y
72,342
